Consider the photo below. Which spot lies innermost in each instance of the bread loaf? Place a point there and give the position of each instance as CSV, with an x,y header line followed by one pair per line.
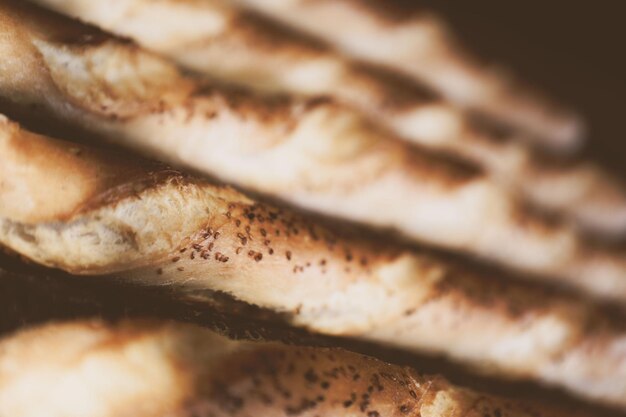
x,y
417,43
150,369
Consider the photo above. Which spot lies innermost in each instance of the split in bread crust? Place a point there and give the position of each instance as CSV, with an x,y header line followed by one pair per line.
x,y
418,44
216,38
147,223
315,154
150,369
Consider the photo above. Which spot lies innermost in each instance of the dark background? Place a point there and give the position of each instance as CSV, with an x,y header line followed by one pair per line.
x,y
573,50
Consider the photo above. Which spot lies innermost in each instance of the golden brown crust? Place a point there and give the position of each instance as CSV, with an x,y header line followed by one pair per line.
x,y
90,368
179,370
55,193
44,180
316,154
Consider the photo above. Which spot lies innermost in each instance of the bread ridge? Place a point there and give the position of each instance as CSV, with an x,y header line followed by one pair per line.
x,y
237,46
417,43
165,368
194,235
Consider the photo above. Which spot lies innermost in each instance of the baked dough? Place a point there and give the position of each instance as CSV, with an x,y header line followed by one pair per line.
x,y
417,43
155,369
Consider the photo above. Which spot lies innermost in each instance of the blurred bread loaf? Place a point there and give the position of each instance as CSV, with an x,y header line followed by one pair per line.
x,y
150,369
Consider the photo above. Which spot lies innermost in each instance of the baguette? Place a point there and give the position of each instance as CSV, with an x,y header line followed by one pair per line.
x,y
215,38
150,369
161,227
313,154
418,44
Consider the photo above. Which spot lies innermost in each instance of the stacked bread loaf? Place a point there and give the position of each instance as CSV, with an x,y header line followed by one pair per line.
x,y
257,159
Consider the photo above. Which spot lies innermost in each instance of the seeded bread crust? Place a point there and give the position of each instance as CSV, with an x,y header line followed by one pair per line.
x,y
161,368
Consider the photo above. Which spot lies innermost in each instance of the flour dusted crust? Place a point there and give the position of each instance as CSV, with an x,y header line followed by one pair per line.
x,y
161,368
147,223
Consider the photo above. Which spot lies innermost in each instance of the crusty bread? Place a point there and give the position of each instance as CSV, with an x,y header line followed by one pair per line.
x,y
150,369
314,154
215,38
164,228
418,44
